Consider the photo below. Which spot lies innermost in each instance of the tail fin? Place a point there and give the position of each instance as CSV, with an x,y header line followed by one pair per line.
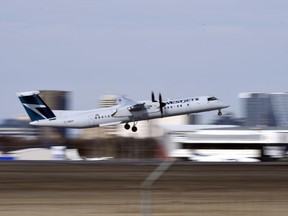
x,y
35,107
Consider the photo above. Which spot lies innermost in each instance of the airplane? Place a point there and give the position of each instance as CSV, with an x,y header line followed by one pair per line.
x,y
125,111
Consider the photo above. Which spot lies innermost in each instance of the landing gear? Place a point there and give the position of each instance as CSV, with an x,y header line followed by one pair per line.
x,y
219,113
127,127
134,128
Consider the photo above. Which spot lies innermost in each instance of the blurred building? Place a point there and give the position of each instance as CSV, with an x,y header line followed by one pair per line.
x,y
227,119
18,128
56,100
265,109
279,104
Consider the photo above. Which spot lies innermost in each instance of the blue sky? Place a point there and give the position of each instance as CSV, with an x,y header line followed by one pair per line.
x,y
179,48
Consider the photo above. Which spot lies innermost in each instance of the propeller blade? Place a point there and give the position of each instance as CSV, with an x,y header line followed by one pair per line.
x,y
153,97
161,104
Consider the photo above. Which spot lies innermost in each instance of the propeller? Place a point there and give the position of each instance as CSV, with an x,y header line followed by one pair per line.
x,y
162,104
153,97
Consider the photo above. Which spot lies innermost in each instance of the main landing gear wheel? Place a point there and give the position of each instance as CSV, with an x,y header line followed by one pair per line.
x,y
134,128
127,126
219,113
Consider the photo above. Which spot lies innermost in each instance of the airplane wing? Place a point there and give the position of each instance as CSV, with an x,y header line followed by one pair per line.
x,y
132,105
121,100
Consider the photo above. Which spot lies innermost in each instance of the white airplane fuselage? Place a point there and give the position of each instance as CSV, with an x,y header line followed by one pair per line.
x,y
127,113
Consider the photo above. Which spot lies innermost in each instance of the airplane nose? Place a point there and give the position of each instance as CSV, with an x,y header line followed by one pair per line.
x,y
225,105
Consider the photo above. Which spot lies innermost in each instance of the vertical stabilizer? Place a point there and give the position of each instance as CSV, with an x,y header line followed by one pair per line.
x,y
35,107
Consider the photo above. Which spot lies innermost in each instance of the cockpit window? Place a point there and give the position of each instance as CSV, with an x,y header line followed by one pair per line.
x,y
212,98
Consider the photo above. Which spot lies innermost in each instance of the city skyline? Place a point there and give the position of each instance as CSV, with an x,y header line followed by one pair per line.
x,y
180,49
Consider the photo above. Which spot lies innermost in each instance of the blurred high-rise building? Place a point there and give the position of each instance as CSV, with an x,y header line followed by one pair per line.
x,y
279,103
265,109
56,100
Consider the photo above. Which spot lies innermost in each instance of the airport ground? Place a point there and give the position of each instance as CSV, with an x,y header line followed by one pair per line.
x,y
114,188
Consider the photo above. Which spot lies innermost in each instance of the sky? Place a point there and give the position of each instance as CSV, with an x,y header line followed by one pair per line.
x,y
180,48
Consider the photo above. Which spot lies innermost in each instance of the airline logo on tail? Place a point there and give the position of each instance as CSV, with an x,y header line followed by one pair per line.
x,y
35,106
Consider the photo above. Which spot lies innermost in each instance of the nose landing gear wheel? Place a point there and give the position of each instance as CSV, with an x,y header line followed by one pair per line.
x,y
219,113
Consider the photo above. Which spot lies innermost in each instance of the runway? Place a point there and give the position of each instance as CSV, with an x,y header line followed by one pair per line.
x,y
114,188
